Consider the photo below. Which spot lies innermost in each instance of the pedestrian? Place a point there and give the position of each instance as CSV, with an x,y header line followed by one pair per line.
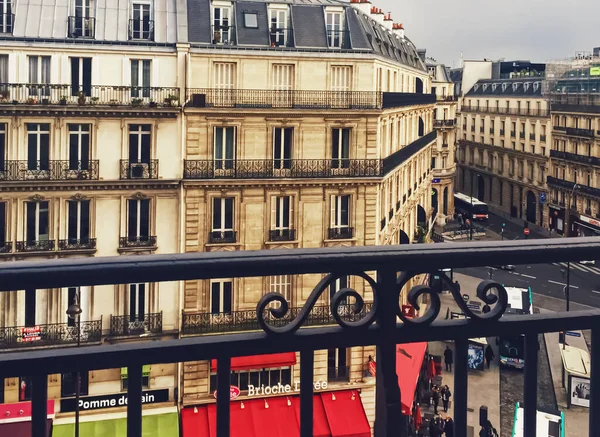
x,y
436,398
489,355
448,358
446,395
449,427
433,428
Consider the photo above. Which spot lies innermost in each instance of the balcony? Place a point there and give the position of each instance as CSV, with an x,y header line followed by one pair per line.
x,y
576,132
282,235
44,95
292,168
568,185
532,137
6,23
444,123
222,237
141,30
139,170
578,103
508,111
81,27
399,100
195,323
502,132
445,98
583,159
338,39
281,37
77,244
137,241
223,35
383,327
54,334
341,233
35,246
49,170
123,326
402,155
6,246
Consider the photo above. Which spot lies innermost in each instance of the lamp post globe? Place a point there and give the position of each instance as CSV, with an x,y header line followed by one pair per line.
x,y
74,312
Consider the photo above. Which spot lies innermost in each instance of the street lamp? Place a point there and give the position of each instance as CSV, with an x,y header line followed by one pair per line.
x,y
567,288
471,213
74,312
575,186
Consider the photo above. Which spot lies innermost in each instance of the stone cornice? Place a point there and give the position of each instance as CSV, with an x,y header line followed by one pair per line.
x,y
47,186
510,152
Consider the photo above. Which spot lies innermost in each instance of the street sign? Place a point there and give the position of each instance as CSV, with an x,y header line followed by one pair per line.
x,y
473,306
573,334
543,198
526,231
466,297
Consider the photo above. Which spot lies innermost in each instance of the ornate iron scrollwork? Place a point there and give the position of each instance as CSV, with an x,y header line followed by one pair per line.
x,y
338,301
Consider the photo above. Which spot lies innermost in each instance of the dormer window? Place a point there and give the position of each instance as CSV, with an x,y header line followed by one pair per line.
x,y
536,86
222,25
278,26
335,29
81,23
494,86
476,87
484,86
6,16
141,25
504,85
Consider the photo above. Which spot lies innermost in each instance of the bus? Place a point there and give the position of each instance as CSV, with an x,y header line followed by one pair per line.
x,y
512,349
470,206
549,424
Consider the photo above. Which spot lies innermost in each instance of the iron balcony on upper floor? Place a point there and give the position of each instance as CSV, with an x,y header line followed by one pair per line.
x,y
49,170
82,27
94,96
145,324
48,245
569,186
578,132
526,112
139,170
444,123
445,98
301,99
575,157
52,334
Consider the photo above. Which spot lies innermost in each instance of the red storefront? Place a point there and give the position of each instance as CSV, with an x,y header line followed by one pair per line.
x,y
15,419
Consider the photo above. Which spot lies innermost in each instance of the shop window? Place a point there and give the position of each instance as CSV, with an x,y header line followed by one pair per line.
x,y
68,385
145,378
24,388
256,377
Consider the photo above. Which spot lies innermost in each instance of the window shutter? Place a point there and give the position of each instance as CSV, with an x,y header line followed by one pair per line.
x,y
229,143
135,72
335,141
333,218
277,144
274,202
291,220
218,152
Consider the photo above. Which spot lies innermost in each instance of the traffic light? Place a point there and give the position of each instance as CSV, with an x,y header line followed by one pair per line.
x,y
503,225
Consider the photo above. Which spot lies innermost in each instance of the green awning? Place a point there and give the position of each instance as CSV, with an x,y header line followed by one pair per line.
x,y
145,371
156,425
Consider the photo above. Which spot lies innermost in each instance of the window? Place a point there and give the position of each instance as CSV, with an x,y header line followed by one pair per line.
x,y
81,24
283,77
433,162
520,169
6,17
138,220
251,20
222,219
281,284
501,164
141,26
282,213
4,92
138,302
341,78
340,147
337,365
511,167
3,131
221,26
530,171
39,73
81,76
37,222
221,296
145,378
224,75
79,146
68,384
78,228
282,147
73,296
224,153
336,286
334,29
140,78
340,211
279,26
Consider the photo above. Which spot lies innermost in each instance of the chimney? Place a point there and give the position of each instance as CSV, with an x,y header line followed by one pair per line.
x,y
398,29
362,5
377,15
387,21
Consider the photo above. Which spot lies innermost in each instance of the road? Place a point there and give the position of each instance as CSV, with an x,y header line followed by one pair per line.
x,y
511,231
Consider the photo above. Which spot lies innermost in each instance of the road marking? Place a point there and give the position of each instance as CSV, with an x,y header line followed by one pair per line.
x,y
560,283
527,276
595,291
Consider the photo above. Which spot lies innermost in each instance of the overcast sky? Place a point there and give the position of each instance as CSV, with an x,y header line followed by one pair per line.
x,y
537,30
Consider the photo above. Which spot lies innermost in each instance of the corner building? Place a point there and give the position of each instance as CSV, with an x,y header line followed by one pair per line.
x,y
313,127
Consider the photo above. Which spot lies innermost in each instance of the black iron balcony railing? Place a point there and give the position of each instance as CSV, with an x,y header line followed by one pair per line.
x,y
7,23
338,39
282,235
507,111
6,246
578,132
121,326
137,241
444,123
141,29
397,158
139,170
97,95
582,103
583,159
77,244
222,237
568,185
35,246
194,323
32,170
53,334
445,98
82,27
292,168
384,326
223,35
341,233
398,100
281,37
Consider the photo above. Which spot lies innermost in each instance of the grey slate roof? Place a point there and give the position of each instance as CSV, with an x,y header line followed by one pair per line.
x,y
313,36
507,87
249,36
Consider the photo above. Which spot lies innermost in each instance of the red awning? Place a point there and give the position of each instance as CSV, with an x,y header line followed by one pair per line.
x,y
320,425
345,414
241,422
409,359
194,422
260,361
21,429
274,417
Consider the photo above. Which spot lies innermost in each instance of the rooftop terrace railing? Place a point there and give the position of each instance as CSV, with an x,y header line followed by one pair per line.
x,y
386,269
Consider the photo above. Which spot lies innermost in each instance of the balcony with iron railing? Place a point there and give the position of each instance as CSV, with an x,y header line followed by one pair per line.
x,y
141,29
35,246
338,39
77,244
222,237
81,27
123,326
444,123
33,170
569,185
441,98
575,157
507,111
139,170
96,97
340,233
282,235
137,241
578,132
7,23
52,334
383,325
281,37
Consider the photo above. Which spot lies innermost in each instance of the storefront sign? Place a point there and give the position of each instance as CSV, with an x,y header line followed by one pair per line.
x,y
32,333
234,392
594,71
590,220
280,389
408,311
88,403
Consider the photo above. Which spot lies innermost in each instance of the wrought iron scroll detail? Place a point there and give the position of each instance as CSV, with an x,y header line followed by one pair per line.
x,y
338,301
499,300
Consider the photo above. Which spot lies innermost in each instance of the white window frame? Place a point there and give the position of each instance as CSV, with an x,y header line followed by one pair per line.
x,y
223,227
79,133
221,283
37,222
140,132
138,225
141,21
222,163
221,19
141,87
336,211
38,135
278,203
281,284
281,28
78,232
334,23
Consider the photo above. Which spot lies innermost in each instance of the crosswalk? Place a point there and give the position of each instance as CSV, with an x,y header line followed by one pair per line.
x,y
581,267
